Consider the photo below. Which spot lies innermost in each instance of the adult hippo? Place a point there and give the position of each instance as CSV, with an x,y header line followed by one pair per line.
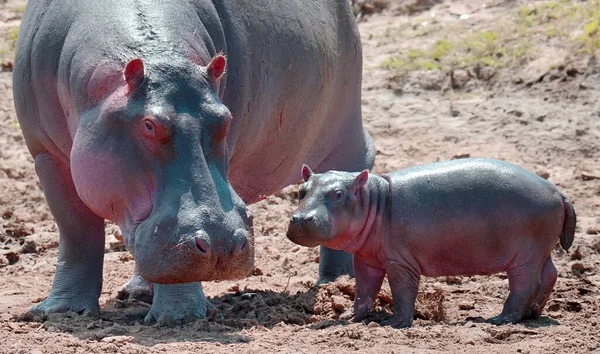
x,y
167,117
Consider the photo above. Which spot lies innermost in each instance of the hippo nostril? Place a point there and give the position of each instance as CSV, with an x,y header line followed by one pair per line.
x,y
202,245
294,220
310,218
244,245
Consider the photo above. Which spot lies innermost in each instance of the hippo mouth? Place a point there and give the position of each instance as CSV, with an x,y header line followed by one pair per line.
x,y
309,238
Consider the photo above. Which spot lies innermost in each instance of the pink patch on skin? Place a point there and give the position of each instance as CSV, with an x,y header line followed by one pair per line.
x,y
262,197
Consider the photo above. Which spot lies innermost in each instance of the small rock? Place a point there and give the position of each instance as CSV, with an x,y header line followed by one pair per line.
x,y
117,339
578,269
543,174
340,303
12,257
373,325
576,256
587,176
29,247
465,305
554,314
257,271
295,249
460,78
118,235
593,231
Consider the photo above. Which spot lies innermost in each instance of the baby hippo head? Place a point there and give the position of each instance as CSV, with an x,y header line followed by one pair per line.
x,y
329,207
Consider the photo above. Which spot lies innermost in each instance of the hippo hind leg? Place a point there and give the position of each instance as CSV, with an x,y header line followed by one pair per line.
x,y
525,285
548,279
78,278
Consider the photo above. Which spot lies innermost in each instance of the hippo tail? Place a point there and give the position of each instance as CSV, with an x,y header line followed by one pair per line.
x,y
568,231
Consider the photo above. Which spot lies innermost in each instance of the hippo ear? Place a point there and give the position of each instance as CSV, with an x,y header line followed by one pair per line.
x,y
134,73
306,173
361,180
216,67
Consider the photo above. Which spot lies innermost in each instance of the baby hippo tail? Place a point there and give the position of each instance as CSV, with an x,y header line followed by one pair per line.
x,y
566,237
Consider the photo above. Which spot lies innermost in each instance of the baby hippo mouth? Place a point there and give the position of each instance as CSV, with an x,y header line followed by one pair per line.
x,y
307,230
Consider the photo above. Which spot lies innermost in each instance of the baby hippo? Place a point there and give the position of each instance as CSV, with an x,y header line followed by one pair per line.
x,y
460,217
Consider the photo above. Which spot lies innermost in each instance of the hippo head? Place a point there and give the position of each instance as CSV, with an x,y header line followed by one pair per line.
x,y
329,208
152,157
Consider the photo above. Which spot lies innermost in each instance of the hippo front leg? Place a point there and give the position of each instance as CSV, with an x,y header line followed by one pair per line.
x,y
368,284
78,278
332,264
404,282
176,304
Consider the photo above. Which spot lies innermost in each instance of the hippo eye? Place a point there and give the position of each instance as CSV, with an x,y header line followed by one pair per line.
x,y
149,128
338,195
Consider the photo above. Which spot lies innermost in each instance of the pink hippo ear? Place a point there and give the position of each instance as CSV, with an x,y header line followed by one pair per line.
x,y
361,180
134,73
216,67
306,173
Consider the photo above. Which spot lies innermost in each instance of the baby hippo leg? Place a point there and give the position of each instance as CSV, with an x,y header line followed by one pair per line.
x,y
368,284
524,283
404,282
548,279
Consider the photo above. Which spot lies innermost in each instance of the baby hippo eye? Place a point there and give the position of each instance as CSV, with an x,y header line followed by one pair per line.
x,y
337,196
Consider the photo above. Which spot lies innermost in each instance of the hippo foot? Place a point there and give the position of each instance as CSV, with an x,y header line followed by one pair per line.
x,y
137,288
177,304
396,323
87,306
504,319
350,314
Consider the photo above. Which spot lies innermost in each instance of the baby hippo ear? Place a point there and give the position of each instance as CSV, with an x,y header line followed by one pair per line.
x,y
216,67
306,173
361,180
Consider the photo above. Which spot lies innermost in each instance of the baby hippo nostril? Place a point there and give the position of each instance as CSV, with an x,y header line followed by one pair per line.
x,y
202,242
309,218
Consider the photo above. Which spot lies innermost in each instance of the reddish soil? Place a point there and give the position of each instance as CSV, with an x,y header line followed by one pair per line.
x,y
543,117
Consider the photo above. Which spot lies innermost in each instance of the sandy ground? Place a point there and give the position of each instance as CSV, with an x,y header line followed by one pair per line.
x,y
542,113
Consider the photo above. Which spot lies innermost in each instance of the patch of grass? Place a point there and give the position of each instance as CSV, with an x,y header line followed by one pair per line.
x,y
507,41
19,9
8,43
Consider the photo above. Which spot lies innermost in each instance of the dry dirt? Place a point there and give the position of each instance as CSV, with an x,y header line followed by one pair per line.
x,y
541,112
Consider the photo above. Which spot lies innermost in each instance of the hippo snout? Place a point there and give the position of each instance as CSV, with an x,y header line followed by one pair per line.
x,y
299,219
234,246
307,230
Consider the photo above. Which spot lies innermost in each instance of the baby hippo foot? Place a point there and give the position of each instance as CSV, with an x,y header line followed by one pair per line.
x,y
83,304
177,304
137,288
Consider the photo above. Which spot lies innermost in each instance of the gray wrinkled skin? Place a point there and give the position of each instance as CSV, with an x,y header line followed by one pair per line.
x,y
171,148
462,217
